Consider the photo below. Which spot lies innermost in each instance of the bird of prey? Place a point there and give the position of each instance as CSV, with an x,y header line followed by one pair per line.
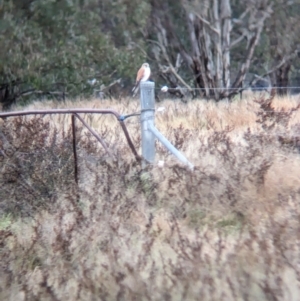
x,y
142,75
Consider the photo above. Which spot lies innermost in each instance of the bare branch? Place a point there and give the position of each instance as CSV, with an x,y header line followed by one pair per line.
x,y
34,91
207,23
171,67
243,15
178,61
117,81
282,62
252,44
237,41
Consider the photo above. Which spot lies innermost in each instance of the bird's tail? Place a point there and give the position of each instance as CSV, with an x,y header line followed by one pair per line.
x,y
135,89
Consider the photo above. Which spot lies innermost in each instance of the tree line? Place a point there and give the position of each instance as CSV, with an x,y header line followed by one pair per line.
x,y
71,48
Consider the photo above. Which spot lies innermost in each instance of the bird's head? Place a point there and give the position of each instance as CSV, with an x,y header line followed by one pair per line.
x,y
146,65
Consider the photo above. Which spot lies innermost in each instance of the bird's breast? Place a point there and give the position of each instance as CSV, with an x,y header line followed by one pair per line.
x,y
146,75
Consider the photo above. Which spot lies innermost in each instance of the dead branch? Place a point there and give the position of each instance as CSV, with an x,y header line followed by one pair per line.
x,y
215,30
161,42
209,28
282,62
252,44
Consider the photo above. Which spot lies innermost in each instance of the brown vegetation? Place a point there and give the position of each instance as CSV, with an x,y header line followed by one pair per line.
x,y
229,230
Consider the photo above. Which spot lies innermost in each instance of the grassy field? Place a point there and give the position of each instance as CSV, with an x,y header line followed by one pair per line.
x,y
229,230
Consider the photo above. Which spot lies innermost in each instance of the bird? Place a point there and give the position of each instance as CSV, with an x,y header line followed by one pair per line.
x,y
142,76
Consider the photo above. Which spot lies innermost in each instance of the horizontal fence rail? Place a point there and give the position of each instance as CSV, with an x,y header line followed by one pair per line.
x,y
118,116
75,114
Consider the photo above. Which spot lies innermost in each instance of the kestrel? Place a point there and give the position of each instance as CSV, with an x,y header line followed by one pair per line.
x,y
142,76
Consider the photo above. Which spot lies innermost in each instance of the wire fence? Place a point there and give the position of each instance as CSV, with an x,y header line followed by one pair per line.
x,y
121,119
186,93
75,115
239,89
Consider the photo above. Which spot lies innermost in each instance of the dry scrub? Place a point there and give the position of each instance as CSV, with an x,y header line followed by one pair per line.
x,y
229,230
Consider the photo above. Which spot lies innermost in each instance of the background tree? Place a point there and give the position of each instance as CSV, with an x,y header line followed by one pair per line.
x,y
283,33
73,48
210,28
275,58
52,48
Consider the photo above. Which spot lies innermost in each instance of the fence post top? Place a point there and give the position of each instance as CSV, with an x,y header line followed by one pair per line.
x,y
147,84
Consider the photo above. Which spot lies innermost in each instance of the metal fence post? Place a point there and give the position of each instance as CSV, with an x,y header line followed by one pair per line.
x,y
74,149
147,120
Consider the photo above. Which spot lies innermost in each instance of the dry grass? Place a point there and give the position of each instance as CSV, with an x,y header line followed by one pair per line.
x,y
229,230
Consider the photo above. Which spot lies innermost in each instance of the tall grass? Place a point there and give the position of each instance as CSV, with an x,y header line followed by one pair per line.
x,y
229,230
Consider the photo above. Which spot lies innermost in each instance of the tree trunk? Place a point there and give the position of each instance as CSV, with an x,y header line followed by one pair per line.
x,y
209,35
210,42
226,29
282,78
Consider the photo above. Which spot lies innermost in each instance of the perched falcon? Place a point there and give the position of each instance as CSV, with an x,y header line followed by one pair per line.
x,y
142,75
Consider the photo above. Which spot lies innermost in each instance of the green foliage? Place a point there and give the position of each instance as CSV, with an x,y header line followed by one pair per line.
x,y
56,46
5,221
232,223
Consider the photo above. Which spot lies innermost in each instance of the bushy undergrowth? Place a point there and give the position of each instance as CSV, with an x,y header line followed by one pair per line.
x,y
36,164
229,230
